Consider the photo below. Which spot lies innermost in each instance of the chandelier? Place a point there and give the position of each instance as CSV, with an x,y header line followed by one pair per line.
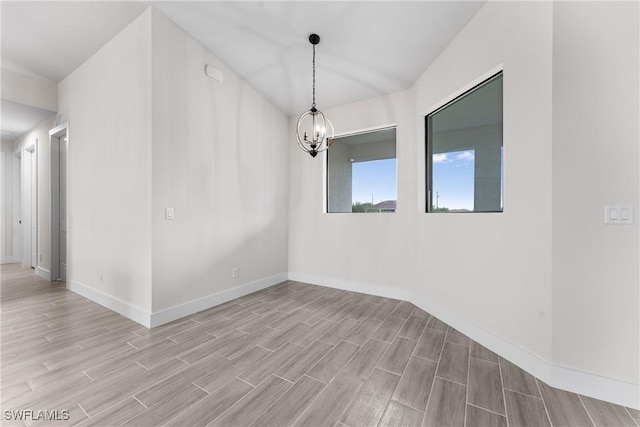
x,y
314,130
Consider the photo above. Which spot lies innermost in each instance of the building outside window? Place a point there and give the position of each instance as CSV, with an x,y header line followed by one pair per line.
x,y
361,172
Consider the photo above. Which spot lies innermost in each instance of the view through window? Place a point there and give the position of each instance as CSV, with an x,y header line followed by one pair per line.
x,y
361,172
465,152
454,174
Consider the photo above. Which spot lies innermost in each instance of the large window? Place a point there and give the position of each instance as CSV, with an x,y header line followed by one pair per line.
x,y
464,151
361,172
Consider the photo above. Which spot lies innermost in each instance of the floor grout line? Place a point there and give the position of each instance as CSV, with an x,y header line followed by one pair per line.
x,y
193,383
631,416
433,382
544,404
585,408
246,382
504,395
484,360
524,394
466,399
403,370
347,407
83,410
276,401
277,376
486,409
139,401
143,367
326,385
451,381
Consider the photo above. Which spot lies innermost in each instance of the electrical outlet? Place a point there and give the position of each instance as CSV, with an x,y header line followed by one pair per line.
x,y
235,273
40,257
444,291
101,277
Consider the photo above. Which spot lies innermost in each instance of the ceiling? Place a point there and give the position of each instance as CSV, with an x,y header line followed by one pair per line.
x,y
366,48
17,119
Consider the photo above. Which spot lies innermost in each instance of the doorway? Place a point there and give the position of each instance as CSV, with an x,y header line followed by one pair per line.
x,y
59,141
29,215
16,205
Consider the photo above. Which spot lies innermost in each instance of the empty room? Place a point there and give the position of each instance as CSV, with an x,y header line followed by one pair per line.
x,y
320,213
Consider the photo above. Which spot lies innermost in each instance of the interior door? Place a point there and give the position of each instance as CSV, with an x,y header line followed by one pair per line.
x,y
58,140
63,207
16,203
26,208
34,209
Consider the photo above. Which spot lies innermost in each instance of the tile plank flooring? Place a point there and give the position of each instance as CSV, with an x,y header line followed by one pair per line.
x,y
292,354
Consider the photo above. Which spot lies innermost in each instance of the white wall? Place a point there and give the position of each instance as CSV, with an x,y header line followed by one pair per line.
x,y
596,153
369,252
107,101
148,130
500,276
497,273
220,160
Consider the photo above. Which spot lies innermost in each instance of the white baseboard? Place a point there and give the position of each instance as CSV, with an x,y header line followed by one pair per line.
x,y
43,272
179,311
598,387
151,320
351,285
591,385
572,380
8,260
134,313
526,360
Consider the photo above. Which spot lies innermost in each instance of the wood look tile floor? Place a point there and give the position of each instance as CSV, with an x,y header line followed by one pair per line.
x,y
292,354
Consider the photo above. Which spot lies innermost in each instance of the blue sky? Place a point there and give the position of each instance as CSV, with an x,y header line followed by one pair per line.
x,y
377,177
453,176
453,180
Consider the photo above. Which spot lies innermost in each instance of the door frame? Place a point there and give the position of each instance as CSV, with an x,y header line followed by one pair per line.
x,y
16,206
29,199
58,135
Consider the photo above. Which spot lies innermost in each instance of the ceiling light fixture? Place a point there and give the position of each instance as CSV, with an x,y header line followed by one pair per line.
x,y
314,131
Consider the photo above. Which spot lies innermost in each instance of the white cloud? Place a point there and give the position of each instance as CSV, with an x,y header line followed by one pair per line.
x,y
466,155
440,158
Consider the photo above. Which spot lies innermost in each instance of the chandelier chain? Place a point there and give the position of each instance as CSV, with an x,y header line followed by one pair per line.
x,y
313,104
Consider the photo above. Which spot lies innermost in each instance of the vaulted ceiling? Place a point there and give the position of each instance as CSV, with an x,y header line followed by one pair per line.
x,y
366,49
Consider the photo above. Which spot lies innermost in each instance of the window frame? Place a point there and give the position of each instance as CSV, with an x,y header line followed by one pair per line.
x,y
474,86
326,164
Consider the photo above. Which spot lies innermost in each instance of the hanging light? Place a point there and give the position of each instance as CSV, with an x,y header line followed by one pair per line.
x,y
314,130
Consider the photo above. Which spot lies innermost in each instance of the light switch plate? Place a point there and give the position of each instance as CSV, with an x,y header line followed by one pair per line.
x,y
626,214
168,214
618,214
